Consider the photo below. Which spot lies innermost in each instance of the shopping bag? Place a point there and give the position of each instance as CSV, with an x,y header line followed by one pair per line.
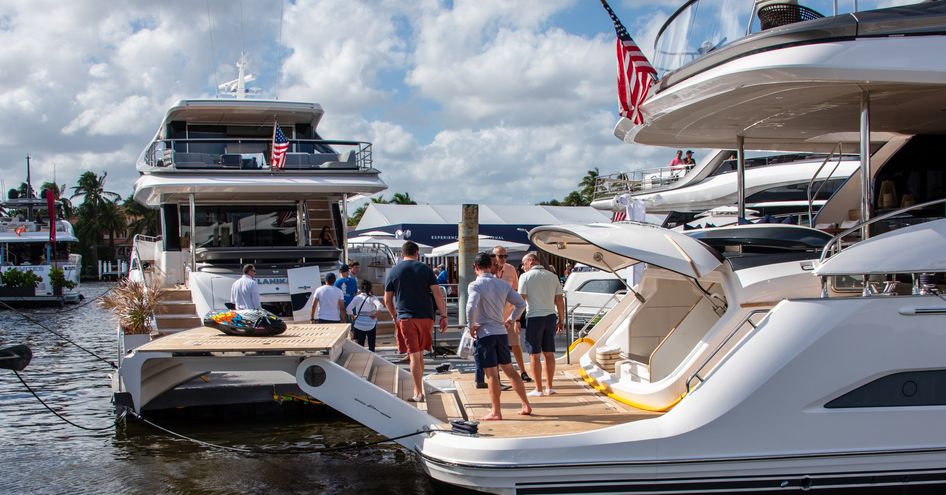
x,y
465,349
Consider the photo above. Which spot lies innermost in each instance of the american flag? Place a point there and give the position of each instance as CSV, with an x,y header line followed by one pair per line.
x,y
280,145
635,74
619,216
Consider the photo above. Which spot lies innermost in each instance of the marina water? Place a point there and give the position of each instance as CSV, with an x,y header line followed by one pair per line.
x,y
39,453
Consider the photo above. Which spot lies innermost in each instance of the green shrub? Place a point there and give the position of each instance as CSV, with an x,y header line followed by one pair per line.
x,y
57,278
16,278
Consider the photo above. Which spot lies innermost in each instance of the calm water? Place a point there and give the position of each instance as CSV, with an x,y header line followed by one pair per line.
x,y
41,454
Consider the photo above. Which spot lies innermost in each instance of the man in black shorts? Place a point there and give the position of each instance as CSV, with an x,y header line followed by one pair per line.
x,y
543,294
484,309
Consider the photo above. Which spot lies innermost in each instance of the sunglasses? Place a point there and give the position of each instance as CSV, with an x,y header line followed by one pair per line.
x,y
503,256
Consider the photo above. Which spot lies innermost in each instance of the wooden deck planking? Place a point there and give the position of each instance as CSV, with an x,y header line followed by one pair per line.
x,y
574,407
302,337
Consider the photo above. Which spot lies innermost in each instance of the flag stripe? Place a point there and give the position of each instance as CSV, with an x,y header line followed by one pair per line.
x,y
635,74
280,146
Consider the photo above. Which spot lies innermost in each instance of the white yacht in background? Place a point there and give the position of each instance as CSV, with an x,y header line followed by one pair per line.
x,y
776,183
224,204
26,246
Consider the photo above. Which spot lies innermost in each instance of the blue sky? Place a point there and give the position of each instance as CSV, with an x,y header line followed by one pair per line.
x,y
486,101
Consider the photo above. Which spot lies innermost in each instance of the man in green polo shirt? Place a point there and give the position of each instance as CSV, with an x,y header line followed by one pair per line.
x,y
545,314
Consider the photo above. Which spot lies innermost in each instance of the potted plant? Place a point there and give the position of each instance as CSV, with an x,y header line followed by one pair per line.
x,y
18,283
134,304
58,281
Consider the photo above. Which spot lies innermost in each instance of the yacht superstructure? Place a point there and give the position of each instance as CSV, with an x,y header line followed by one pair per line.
x,y
225,201
775,183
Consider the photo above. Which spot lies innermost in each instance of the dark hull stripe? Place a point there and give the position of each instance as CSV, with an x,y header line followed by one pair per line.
x,y
923,481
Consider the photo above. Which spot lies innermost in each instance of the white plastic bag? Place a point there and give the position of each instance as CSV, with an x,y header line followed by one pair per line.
x,y
465,349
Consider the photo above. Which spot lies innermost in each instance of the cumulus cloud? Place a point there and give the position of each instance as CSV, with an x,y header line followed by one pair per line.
x,y
449,93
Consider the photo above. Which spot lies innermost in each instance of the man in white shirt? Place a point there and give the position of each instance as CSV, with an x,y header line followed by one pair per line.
x,y
244,293
329,301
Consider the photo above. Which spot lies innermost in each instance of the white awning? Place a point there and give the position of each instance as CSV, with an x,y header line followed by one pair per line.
x,y
620,245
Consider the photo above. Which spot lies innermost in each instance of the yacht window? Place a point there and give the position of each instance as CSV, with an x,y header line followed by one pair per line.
x,y
242,226
609,286
909,388
796,192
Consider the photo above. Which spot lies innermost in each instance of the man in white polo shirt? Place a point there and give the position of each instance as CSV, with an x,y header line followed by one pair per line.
x,y
545,314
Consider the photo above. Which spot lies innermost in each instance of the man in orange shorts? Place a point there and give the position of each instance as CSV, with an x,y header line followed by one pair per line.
x,y
410,291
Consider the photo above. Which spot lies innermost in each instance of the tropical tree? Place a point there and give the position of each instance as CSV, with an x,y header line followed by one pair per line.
x,y
142,220
95,217
359,212
587,185
64,208
112,220
92,188
402,199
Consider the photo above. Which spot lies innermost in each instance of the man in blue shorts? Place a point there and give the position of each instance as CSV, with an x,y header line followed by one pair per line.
x,y
544,297
484,311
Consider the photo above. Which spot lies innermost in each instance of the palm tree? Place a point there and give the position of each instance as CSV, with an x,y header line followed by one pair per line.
x,y
359,212
64,208
587,186
143,220
403,199
112,220
95,218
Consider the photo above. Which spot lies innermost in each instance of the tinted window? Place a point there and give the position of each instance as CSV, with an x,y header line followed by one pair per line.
x,y
609,286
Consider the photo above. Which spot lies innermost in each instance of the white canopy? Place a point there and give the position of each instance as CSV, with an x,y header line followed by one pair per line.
x,y
619,245
486,243
915,249
391,242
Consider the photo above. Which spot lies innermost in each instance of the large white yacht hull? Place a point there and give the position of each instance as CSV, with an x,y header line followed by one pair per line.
x,y
758,423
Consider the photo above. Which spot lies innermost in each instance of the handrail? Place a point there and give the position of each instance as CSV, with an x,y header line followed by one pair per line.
x,y
137,254
811,213
585,328
834,240
747,319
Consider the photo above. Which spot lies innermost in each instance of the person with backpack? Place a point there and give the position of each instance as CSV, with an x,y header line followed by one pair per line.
x,y
363,309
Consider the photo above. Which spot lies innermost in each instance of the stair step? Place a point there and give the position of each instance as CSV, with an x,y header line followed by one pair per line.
x,y
443,406
173,321
360,363
176,307
385,377
405,386
176,295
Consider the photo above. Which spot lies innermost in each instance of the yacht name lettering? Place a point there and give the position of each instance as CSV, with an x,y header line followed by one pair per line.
x,y
273,281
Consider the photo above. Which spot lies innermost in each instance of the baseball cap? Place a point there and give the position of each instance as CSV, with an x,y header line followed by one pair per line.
x,y
343,268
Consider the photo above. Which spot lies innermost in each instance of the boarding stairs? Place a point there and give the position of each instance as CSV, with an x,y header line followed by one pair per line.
x,y
176,312
327,366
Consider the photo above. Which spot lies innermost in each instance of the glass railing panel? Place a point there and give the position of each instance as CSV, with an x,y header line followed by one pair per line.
x,y
255,154
700,27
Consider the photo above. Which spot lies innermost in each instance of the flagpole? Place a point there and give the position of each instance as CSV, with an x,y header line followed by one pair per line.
x,y
272,152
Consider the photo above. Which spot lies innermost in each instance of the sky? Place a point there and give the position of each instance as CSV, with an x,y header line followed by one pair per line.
x,y
465,101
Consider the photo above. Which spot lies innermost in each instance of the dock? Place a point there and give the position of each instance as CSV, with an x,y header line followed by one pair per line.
x,y
318,362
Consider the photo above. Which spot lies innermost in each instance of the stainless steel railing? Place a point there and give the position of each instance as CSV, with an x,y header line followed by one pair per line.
x,y
748,319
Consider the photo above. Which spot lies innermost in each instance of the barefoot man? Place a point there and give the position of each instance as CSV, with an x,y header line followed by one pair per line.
x,y
410,291
484,310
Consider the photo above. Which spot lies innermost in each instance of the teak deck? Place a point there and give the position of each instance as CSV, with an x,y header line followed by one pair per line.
x,y
575,407
302,338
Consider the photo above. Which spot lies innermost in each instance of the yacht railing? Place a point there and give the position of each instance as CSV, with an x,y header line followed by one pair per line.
x,y
700,27
255,154
830,246
709,359
637,181
138,262
811,197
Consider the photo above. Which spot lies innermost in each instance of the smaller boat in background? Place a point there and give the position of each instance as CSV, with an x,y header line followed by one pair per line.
x,y
37,261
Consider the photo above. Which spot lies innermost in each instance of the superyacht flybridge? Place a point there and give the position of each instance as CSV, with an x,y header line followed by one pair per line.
x,y
760,358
